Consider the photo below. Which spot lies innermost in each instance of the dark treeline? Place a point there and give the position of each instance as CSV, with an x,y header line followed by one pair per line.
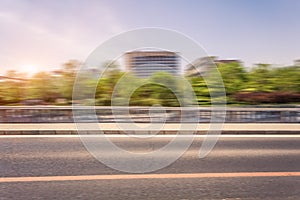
x,y
263,84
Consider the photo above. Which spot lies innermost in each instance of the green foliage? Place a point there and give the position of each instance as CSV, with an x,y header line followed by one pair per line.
x,y
234,77
237,81
201,91
158,89
105,87
287,79
67,79
153,94
42,86
261,79
262,84
12,90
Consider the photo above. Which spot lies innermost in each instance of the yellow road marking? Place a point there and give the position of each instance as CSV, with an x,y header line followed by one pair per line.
x,y
147,176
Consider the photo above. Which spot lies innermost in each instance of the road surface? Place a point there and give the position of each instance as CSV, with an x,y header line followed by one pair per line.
x,y
59,167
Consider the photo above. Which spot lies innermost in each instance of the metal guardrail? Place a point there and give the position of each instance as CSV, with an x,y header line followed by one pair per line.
x,y
56,114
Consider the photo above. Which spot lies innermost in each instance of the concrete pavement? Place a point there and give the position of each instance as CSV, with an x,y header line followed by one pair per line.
x,y
114,128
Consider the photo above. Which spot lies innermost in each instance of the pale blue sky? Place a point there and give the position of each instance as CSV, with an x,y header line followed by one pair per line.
x,y
45,33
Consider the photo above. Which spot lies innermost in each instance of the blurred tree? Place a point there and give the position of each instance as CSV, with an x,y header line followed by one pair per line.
x,y
143,96
261,79
201,90
262,84
234,76
67,79
12,89
106,84
42,86
164,88
287,79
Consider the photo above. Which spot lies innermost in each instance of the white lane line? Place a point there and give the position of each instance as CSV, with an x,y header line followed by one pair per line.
x,y
148,136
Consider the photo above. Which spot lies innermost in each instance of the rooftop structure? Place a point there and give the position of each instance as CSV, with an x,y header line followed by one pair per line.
x,y
297,62
201,66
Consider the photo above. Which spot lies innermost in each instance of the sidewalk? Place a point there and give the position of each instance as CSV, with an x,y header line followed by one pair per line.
x,y
114,128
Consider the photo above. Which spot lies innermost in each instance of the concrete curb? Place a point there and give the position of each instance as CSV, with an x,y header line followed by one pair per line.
x,y
169,132
167,129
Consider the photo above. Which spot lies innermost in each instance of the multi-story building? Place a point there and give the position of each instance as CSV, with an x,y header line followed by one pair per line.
x,y
145,63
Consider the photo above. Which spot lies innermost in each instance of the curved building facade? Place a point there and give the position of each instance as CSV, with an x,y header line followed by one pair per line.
x,y
145,63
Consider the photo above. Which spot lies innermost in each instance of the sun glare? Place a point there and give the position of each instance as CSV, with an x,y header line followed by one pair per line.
x,y
30,69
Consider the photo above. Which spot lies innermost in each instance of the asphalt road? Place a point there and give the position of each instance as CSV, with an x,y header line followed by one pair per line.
x,y
67,157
